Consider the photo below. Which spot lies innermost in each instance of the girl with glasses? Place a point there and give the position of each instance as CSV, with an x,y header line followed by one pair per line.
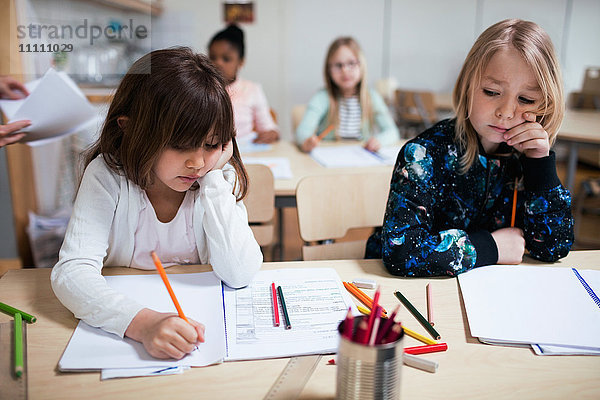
x,y
346,108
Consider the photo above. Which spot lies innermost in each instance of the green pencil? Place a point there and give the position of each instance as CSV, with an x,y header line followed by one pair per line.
x,y
13,311
418,315
18,345
286,316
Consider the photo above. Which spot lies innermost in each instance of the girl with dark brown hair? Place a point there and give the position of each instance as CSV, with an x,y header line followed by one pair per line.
x,y
165,176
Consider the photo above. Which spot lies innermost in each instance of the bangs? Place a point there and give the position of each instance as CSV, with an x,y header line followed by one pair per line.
x,y
201,109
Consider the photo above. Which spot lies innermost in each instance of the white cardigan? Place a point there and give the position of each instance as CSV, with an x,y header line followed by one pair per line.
x,y
102,230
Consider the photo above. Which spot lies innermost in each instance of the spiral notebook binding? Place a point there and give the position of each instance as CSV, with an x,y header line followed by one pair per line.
x,y
587,287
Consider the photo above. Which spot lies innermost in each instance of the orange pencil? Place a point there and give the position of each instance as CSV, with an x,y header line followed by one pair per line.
x,y
360,295
514,206
325,132
163,275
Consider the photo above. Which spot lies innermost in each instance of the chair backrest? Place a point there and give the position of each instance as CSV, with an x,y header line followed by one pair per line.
x,y
330,205
415,107
260,203
297,114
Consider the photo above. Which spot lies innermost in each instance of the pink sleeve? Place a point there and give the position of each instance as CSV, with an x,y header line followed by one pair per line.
x,y
262,115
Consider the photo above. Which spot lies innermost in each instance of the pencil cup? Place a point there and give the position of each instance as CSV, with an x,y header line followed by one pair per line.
x,y
368,372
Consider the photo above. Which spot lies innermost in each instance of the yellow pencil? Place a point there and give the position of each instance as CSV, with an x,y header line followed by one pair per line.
x,y
418,336
366,311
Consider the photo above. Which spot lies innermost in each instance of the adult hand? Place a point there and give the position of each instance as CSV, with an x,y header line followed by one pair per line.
x,y
529,138
372,144
310,144
511,245
7,132
165,335
226,154
266,137
12,89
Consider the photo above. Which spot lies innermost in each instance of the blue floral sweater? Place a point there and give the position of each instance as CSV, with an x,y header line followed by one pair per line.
x,y
439,221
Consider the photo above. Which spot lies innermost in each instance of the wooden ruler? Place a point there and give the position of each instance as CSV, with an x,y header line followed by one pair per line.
x,y
293,378
11,387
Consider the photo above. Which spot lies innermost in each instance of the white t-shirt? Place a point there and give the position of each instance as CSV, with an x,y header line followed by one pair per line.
x,y
174,242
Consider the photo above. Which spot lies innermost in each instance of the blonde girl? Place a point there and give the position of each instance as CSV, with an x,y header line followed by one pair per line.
x,y
346,108
164,176
482,188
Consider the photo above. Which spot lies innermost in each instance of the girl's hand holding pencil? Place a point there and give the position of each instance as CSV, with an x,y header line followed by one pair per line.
x,y
313,141
165,335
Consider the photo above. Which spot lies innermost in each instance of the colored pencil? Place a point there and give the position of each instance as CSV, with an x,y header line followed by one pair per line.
x,y
361,331
165,280
348,325
514,206
430,348
275,306
376,323
360,295
12,311
286,316
321,135
387,325
418,315
375,311
18,335
393,334
363,310
418,336
429,293
420,363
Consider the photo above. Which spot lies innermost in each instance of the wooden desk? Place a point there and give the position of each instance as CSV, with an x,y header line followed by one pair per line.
x,y
467,370
303,165
579,128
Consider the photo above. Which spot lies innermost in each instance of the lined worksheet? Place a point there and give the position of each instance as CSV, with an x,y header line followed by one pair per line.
x,y
316,302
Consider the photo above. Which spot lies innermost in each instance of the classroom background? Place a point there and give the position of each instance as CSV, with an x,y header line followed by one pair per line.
x,y
413,45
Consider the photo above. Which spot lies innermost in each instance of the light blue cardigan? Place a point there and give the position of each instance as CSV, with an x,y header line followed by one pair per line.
x,y
315,120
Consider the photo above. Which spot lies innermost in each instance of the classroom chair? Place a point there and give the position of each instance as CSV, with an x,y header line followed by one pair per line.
x,y
331,205
587,203
297,114
415,111
260,204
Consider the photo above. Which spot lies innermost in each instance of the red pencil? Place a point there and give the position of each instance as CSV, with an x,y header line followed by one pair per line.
x,y
387,325
394,334
375,313
430,348
348,325
361,332
275,306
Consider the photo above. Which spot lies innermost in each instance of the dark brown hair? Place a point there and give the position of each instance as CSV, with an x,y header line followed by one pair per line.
x,y
172,98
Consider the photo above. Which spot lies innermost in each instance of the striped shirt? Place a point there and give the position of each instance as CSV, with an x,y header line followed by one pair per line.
x,y
350,114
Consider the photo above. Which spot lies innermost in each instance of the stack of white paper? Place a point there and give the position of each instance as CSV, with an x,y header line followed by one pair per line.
x,y
55,106
556,310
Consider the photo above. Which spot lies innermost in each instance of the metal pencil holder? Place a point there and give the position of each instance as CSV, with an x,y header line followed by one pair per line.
x,y
368,372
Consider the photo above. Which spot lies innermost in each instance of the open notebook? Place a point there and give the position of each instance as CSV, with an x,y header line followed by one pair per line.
x,y
239,323
349,156
555,310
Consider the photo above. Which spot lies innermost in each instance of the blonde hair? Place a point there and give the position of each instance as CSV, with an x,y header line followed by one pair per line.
x,y
334,92
536,49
